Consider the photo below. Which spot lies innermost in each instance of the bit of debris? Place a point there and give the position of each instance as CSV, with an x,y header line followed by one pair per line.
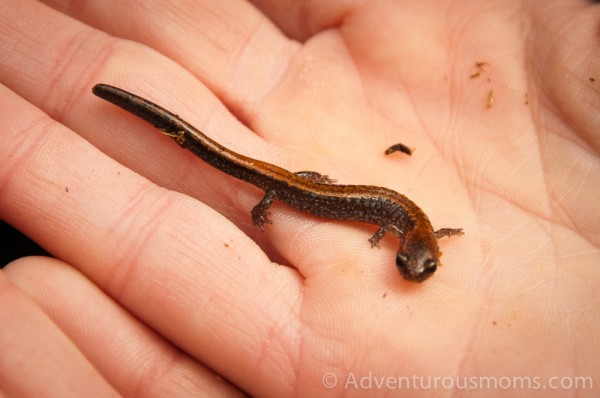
x,y
480,69
491,97
399,148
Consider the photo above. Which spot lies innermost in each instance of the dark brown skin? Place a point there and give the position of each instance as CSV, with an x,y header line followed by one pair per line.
x,y
418,255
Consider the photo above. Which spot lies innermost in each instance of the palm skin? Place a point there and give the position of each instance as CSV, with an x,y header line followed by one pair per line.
x,y
185,288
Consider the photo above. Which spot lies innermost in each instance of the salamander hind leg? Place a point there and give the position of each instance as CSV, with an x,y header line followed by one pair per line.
x,y
260,212
376,238
448,232
316,177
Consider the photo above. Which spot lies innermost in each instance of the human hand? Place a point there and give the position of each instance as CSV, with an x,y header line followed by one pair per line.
x,y
203,292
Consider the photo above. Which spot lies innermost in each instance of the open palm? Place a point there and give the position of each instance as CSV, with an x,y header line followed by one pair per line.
x,y
173,291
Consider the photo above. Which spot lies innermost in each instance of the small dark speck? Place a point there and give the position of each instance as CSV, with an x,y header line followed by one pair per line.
x,y
384,295
67,189
494,323
592,79
480,65
225,244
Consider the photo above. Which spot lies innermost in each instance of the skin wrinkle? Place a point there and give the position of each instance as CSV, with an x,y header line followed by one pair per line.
x,y
68,54
125,265
244,112
582,136
302,237
478,330
362,75
565,116
49,101
558,201
498,195
264,354
465,363
242,58
27,148
281,335
558,101
96,65
574,224
155,372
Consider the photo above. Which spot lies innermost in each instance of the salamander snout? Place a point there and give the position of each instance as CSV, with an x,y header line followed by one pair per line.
x,y
416,266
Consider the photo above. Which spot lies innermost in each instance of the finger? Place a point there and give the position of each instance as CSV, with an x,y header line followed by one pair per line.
x,y
37,358
128,354
229,46
301,20
68,98
177,265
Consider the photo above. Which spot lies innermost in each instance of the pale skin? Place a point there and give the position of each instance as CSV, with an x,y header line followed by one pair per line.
x,y
161,285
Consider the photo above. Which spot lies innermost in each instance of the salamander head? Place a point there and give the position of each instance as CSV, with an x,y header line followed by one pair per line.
x,y
418,258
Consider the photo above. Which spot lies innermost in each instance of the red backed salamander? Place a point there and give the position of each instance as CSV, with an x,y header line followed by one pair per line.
x,y
309,191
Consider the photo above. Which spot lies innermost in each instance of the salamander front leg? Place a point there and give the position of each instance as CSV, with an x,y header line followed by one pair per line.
x,y
448,232
374,240
260,212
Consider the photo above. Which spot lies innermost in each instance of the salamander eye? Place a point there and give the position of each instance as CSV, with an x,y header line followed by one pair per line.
x,y
401,260
429,267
